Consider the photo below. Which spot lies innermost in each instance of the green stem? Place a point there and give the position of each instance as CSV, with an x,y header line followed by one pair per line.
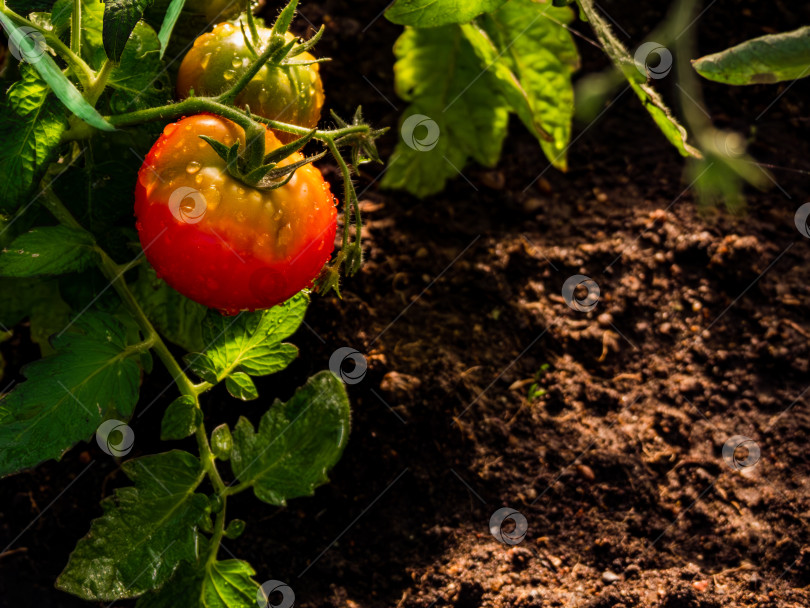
x,y
216,537
254,32
83,71
99,83
115,274
229,95
197,105
76,28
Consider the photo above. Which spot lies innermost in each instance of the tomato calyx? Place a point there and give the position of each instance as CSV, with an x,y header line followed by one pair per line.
x,y
362,143
266,174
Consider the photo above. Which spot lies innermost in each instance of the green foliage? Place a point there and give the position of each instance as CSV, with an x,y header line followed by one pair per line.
x,y
530,44
145,532
463,81
219,584
174,315
434,13
31,123
297,441
99,312
92,28
47,250
167,27
248,345
61,86
650,99
433,72
120,17
181,419
140,80
763,60
92,377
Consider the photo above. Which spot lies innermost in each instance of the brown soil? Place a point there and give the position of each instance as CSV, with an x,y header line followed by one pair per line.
x,y
700,334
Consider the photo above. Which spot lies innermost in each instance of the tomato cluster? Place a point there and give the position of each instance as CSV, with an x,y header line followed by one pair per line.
x,y
212,236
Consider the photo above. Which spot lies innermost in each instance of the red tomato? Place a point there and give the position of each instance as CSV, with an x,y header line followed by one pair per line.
x,y
220,242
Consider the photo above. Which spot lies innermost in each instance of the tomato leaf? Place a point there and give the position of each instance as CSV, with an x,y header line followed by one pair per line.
x,y
767,59
52,74
240,386
67,395
225,584
533,57
175,316
250,343
166,28
120,17
650,99
31,125
47,250
181,419
140,80
433,13
456,111
297,441
145,532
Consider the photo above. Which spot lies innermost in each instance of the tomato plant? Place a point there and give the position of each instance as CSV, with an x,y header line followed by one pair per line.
x,y
111,258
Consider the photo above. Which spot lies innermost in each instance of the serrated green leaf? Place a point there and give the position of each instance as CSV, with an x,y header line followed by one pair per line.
x,y
225,584
433,13
201,365
169,21
240,386
52,74
31,125
297,443
175,316
140,80
763,60
252,342
531,45
650,99
66,396
120,17
47,250
222,442
92,28
181,419
145,533
456,112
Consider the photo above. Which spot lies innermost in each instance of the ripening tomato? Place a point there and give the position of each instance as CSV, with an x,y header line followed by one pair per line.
x,y
220,242
291,94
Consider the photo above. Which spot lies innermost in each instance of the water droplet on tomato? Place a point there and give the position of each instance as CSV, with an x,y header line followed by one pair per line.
x,y
236,62
229,75
169,129
284,235
192,167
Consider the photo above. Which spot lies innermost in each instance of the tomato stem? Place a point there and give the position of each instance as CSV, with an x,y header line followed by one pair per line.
x,y
115,273
229,95
76,28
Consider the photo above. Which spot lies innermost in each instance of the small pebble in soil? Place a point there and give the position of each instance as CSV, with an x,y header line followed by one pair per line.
x,y
609,577
532,205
